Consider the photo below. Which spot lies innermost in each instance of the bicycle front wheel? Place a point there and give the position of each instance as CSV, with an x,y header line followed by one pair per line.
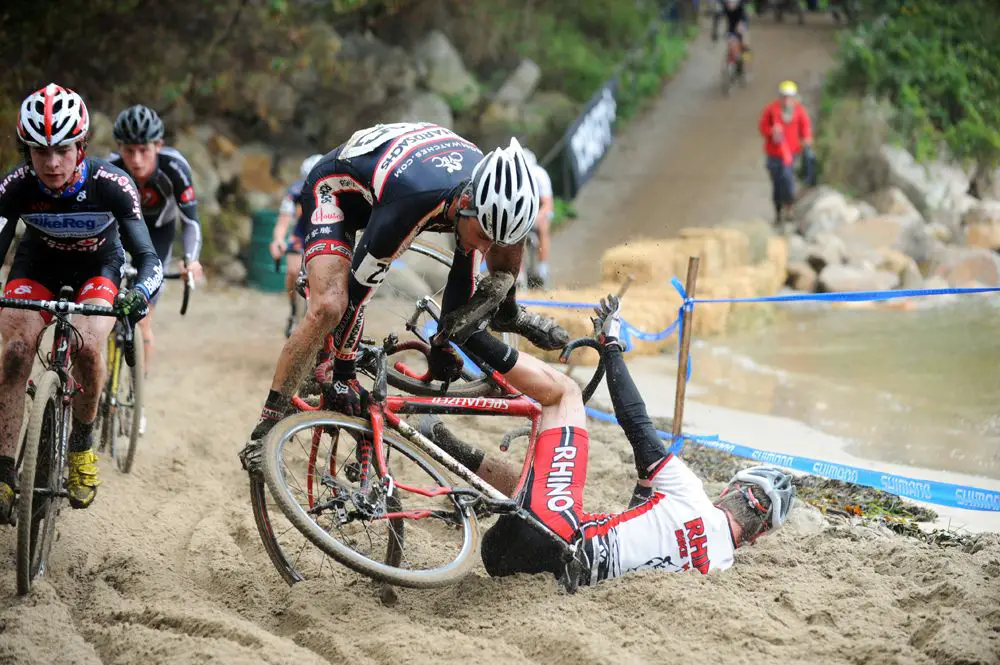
x,y
320,471
40,482
131,384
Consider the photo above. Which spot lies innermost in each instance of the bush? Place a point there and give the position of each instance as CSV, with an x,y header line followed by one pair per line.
x,y
936,65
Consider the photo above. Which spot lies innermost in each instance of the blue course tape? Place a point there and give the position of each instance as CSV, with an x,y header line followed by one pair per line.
x,y
854,296
928,491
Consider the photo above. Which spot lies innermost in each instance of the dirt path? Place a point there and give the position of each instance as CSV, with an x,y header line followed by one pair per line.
x,y
166,567
695,157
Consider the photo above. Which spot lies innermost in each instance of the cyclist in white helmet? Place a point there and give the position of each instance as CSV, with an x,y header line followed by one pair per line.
x,y
292,248
671,524
545,213
396,181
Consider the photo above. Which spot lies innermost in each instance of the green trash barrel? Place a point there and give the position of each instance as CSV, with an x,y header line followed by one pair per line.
x,y
261,274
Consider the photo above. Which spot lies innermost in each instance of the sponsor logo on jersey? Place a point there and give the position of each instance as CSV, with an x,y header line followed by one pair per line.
x,y
150,197
70,225
367,140
84,245
450,161
125,183
153,282
473,402
187,196
82,196
23,290
16,174
399,153
101,289
559,479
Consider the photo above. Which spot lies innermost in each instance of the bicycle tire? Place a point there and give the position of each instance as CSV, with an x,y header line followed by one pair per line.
x,y
32,554
186,298
477,387
324,540
137,385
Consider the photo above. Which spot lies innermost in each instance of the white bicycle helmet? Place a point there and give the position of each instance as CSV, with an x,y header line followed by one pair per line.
x,y
504,195
778,487
308,163
52,116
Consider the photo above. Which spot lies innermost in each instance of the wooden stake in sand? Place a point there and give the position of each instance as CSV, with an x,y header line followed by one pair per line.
x,y
682,365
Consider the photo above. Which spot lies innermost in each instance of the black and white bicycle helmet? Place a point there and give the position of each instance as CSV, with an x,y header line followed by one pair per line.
x,y
504,195
778,487
52,116
137,125
308,163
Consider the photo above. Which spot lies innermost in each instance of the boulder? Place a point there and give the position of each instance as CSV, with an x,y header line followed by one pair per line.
x,y
892,201
826,250
101,141
940,232
206,178
937,190
895,262
907,234
823,210
841,279
261,200
445,71
967,266
982,225
798,249
864,210
274,100
420,106
232,271
520,84
987,183
802,277
544,119
254,165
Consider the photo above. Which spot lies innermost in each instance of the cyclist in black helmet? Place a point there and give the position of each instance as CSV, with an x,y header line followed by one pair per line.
x,y
167,191
671,523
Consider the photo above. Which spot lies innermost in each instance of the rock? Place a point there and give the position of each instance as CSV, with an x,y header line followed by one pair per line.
x,y
255,161
102,140
987,183
864,210
274,100
840,279
178,114
982,225
520,84
907,234
798,249
233,271
936,190
801,277
935,282
420,106
892,201
940,232
964,266
544,119
901,265
220,146
822,211
826,250
206,179
261,200
446,72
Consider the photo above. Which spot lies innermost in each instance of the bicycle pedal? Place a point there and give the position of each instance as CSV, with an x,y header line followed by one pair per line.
x,y
353,471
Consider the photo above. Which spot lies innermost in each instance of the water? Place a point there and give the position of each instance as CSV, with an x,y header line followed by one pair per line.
x,y
912,387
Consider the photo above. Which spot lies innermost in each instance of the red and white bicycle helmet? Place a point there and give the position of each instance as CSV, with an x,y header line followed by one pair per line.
x,y
52,116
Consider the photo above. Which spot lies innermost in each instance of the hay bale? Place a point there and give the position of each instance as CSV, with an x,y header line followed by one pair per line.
x,y
646,261
777,252
707,248
735,243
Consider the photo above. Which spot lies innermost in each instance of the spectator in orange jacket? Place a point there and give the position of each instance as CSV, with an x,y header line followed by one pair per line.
x,y
787,133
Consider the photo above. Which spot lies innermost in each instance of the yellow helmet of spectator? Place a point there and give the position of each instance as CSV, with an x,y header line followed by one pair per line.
x,y
788,89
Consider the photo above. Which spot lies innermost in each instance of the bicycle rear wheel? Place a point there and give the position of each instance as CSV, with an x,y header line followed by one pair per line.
x,y
319,470
40,482
396,304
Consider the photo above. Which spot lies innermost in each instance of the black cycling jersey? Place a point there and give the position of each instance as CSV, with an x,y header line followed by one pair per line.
x,y
393,181
81,224
735,16
168,196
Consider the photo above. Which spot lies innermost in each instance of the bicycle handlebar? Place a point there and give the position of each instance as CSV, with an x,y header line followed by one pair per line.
x,y
592,343
188,284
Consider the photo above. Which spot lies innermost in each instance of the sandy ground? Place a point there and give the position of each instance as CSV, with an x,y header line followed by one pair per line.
x,y
166,566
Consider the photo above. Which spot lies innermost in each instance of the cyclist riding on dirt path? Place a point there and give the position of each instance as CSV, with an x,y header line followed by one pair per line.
x,y
78,212
291,211
787,131
167,192
737,17
395,181
671,524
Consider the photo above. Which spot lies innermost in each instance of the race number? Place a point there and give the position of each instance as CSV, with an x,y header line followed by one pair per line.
x,y
372,271
365,141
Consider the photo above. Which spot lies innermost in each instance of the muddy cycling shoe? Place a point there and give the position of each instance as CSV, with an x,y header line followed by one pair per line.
x,y
6,503
470,318
83,478
540,330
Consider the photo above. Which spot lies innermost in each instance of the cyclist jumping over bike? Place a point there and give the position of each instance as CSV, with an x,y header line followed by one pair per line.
x,y
289,211
671,524
167,192
78,211
395,181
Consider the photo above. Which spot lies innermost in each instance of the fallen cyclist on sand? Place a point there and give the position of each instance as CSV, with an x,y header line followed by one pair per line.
x,y
671,523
